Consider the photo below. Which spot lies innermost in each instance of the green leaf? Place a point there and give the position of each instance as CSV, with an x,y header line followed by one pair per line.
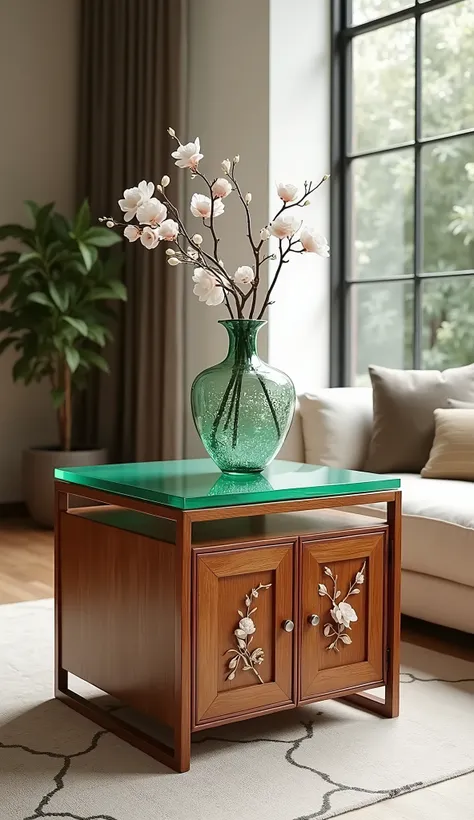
x,y
59,300
82,220
57,397
40,299
61,227
98,334
113,264
18,232
118,288
78,324
73,358
89,254
43,219
21,368
33,208
76,265
28,256
54,249
95,359
5,319
96,294
101,237
4,343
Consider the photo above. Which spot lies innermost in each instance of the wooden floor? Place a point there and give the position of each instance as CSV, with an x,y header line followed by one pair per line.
x,y
26,574
26,562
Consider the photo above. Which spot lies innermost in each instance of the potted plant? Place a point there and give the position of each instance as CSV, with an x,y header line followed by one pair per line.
x,y
56,315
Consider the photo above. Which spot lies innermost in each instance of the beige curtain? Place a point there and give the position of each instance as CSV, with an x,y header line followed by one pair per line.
x,y
132,87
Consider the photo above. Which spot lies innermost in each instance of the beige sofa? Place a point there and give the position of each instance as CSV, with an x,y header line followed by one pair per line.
x,y
333,427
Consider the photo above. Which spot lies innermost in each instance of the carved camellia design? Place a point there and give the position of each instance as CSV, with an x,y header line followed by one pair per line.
x,y
342,613
244,634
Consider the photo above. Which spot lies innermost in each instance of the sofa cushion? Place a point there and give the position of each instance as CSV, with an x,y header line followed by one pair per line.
x,y
404,403
438,527
293,447
452,453
337,424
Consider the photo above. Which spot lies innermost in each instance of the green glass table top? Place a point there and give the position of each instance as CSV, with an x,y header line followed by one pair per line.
x,y
197,483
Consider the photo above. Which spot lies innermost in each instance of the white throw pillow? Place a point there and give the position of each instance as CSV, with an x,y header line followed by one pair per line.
x,y
337,426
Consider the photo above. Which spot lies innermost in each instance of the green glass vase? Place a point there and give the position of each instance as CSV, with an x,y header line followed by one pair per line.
x,y
242,407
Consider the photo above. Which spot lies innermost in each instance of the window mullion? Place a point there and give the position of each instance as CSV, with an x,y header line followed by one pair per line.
x,y
418,203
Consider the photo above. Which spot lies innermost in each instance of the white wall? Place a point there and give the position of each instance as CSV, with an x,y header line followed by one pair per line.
x,y
229,88
38,52
259,86
299,150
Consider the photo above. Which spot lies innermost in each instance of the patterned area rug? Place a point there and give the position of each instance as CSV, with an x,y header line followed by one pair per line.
x,y
314,762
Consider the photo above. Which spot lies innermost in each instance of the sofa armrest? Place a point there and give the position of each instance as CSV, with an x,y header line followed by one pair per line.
x,y
337,426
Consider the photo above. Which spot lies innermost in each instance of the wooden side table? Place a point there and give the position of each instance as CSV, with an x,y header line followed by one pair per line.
x,y
198,599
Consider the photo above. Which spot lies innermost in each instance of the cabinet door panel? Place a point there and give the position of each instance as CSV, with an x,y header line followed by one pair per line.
x,y
253,669
343,585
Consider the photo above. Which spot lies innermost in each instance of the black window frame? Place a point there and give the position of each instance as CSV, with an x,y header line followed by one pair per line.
x,y
342,35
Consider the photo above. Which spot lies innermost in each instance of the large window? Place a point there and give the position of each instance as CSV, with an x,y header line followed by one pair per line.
x,y
403,185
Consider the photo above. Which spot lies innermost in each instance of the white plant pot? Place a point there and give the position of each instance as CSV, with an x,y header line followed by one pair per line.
x,y
38,477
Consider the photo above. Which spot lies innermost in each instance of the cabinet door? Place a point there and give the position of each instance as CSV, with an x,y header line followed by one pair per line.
x,y
243,654
342,630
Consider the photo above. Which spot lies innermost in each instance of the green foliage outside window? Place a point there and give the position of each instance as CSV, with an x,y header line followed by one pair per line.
x,y
383,233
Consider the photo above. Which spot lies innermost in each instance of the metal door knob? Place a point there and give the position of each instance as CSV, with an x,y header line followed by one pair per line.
x,y
313,620
288,626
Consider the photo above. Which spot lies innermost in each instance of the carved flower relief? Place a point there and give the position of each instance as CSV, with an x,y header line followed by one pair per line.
x,y
244,633
246,627
342,613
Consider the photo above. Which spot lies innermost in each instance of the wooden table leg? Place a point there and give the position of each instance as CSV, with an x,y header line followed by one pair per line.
x,y
60,674
389,706
182,727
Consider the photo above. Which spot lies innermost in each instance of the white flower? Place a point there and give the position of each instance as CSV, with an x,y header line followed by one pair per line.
x,y
197,239
131,232
149,237
221,188
359,579
188,156
207,287
314,242
225,165
110,223
344,614
322,589
171,132
169,230
247,626
151,213
248,198
134,197
258,656
236,159
201,206
287,191
244,276
165,181
284,225
170,252
173,260
192,252
265,234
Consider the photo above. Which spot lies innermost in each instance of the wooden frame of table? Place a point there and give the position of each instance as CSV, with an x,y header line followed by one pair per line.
x,y
75,567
